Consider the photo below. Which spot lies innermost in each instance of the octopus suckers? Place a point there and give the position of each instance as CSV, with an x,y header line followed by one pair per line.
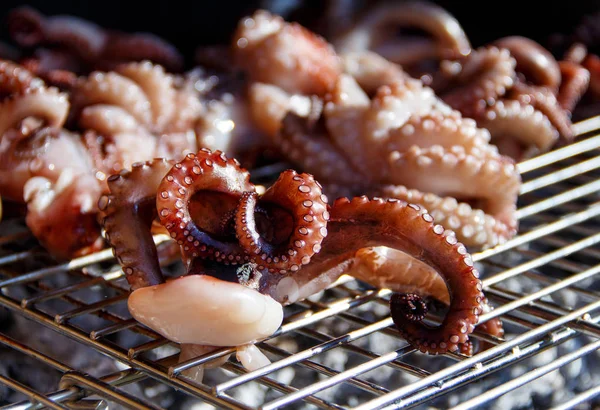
x,y
307,203
303,230
451,239
187,180
303,188
438,229
103,202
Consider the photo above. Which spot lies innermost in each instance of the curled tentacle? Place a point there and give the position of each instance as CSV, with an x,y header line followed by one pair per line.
x,y
544,101
113,89
471,84
378,29
16,79
128,211
41,103
301,198
533,61
99,48
121,47
412,307
475,227
196,181
489,182
158,87
30,28
405,227
574,84
517,128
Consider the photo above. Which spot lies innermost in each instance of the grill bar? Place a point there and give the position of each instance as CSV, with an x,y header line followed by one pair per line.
x,y
527,377
556,253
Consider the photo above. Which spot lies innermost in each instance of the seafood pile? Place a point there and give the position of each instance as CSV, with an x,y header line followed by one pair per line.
x,y
107,139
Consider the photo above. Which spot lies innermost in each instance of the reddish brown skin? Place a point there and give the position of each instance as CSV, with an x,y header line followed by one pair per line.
x,y
575,82
29,28
551,87
215,242
533,61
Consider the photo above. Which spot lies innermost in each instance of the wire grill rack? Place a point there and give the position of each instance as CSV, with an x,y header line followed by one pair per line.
x,y
339,350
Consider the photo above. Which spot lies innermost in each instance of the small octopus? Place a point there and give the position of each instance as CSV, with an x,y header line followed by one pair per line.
x,y
247,254
361,125
518,91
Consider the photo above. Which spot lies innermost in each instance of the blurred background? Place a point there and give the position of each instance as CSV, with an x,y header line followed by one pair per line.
x,y
188,24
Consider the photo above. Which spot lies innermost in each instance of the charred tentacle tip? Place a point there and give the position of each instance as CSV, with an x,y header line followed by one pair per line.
x,y
410,306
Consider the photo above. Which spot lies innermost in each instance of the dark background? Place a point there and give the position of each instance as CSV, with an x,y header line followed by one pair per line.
x,y
190,23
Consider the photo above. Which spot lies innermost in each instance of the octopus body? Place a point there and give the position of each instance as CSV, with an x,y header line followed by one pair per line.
x,y
377,131
89,46
45,166
254,252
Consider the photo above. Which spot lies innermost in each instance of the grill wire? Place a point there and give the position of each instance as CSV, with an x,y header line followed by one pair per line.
x,y
341,350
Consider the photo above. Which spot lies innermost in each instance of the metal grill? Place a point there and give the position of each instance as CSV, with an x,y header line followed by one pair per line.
x,y
339,350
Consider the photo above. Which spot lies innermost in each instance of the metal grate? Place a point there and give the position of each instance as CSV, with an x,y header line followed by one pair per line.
x,y
340,350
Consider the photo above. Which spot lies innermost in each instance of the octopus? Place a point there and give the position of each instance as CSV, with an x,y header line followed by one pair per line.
x,y
45,166
361,125
247,254
431,35
133,113
518,91
73,44
67,143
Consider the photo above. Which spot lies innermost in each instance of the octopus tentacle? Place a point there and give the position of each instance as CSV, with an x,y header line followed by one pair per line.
x,y
41,103
202,174
491,181
142,46
408,228
88,41
313,149
16,79
128,211
506,116
533,61
438,129
543,100
377,29
476,228
158,87
302,198
478,80
30,28
574,84
412,307
107,119
114,89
